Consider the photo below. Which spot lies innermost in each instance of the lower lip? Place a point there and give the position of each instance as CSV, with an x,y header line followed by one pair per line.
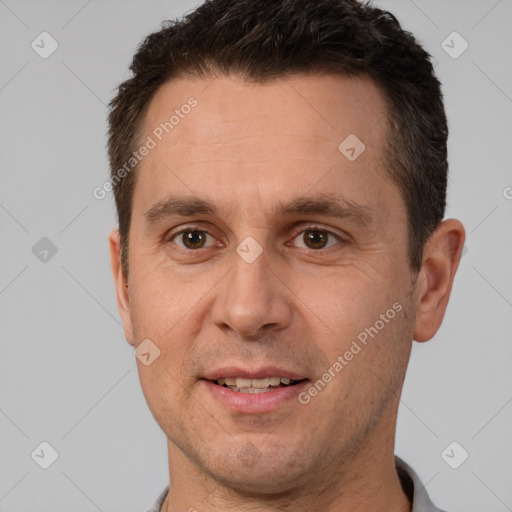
x,y
254,402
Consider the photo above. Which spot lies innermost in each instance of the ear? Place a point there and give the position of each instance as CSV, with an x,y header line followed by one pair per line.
x,y
121,285
440,261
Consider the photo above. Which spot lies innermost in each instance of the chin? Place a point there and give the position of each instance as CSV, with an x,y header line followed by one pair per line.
x,y
257,471
257,482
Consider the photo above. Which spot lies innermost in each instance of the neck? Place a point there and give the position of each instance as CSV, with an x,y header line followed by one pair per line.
x,y
363,479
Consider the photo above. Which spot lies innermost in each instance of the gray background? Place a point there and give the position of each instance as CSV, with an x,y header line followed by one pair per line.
x,y
68,377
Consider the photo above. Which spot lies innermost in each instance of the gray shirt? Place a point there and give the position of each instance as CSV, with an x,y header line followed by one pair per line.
x,y
410,481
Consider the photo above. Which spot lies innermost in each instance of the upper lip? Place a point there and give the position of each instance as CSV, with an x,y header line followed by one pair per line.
x,y
252,373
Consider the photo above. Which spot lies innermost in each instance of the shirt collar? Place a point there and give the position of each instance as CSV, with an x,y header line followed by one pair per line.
x,y
412,486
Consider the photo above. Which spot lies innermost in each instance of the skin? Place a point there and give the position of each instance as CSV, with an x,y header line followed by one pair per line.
x,y
247,147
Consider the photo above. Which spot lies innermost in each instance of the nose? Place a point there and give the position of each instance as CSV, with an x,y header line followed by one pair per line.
x,y
252,299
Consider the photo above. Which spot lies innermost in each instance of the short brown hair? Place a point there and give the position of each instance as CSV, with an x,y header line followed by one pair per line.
x,y
262,40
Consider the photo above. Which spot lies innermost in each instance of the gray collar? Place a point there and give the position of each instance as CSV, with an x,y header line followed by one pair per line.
x,y
412,486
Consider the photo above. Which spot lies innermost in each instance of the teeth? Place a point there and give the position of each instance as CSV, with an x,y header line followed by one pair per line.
x,y
265,383
249,390
253,383
243,383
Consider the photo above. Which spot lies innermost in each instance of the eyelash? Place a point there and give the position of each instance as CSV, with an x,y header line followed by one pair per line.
x,y
312,227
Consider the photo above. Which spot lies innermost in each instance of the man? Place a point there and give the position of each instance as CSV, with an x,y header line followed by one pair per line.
x,y
279,170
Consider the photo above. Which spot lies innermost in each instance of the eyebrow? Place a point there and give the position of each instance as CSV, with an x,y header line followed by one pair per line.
x,y
328,205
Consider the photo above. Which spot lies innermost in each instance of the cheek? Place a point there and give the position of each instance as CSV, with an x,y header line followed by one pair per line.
x,y
366,333
347,302
374,357
162,394
167,311
157,303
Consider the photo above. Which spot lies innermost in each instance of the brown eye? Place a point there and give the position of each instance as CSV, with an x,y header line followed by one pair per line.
x,y
191,238
316,238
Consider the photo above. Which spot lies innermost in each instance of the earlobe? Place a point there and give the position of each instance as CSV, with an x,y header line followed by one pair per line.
x,y
440,262
121,284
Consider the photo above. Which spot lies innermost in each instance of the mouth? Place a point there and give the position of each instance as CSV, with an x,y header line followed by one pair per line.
x,y
255,396
245,385
254,390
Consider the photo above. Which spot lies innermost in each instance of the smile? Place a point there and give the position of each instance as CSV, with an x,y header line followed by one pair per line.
x,y
242,395
243,385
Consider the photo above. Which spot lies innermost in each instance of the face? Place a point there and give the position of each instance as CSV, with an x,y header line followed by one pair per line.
x,y
259,247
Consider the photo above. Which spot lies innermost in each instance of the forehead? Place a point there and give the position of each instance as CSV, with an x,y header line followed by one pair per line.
x,y
328,106
252,142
